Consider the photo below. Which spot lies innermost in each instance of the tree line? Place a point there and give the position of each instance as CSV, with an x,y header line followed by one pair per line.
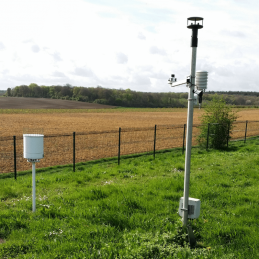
x,y
115,97
125,98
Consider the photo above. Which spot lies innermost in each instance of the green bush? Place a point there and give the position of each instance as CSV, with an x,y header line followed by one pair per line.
x,y
217,122
101,101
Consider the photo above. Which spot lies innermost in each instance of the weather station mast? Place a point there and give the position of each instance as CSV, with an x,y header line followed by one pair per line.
x,y
197,81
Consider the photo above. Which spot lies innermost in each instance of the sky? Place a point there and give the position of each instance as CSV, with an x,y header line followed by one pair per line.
x,y
130,44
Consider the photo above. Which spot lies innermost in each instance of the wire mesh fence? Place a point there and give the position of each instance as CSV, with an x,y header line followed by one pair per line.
x,y
243,129
72,148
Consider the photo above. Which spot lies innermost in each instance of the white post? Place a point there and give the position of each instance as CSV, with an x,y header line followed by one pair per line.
x,y
189,137
33,188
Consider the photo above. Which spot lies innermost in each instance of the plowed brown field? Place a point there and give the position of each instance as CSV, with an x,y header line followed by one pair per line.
x,y
45,103
58,150
14,124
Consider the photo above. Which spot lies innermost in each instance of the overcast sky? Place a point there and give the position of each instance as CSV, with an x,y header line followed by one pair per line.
x,y
132,44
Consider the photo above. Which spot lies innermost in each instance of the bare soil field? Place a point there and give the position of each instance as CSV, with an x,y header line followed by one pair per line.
x,y
100,133
85,121
44,103
58,123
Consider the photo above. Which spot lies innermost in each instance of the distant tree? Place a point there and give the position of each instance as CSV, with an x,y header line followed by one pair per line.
x,y
101,101
24,90
32,87
16,91
52,92
106,94
76,91
184,95
84,92
45,90
240,101
127,96
37,91
57,91
66,91
9,92
93,93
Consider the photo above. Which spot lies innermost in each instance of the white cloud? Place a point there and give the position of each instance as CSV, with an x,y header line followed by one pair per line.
x,y
140,81
121,58
56,56
141,36
35,48
238,34
156,50
58,74
84,72
134,44
2,46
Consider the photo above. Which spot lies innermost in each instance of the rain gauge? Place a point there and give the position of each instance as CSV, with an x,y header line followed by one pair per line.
x,y
33,151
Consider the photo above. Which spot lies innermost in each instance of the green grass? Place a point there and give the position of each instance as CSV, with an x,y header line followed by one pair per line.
x,y
113,110
130,211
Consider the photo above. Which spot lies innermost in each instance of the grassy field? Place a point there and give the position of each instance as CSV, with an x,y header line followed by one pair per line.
x,y
114,110
130,211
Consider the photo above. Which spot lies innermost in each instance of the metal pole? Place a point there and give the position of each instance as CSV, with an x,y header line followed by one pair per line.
x,y
155,143
184,127
33,188
14,157
189,137
245,131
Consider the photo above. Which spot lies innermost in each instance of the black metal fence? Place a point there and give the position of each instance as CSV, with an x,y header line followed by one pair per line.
x,y
72,148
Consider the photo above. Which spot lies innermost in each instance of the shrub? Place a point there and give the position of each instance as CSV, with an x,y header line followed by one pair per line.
x,y
219,117
101,101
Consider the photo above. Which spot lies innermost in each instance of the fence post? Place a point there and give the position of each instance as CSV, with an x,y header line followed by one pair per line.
x,y
208,133
246,131
184,127
14,157
155,143
119,147
228,134
74,151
